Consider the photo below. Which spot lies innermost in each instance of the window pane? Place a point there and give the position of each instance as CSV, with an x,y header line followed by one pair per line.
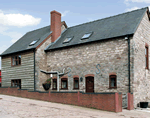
x,y
19,59
87,35
54,84
64,83
67,40
16,62
112,82
13,61
76,83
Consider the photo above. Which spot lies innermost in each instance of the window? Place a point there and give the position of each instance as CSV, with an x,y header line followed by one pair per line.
x,y
146,57
33,42
16,60
112,81
55,84
87,35
67,40
64,83
16,83
76,83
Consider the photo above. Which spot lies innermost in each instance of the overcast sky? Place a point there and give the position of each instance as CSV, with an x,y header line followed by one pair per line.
x,y
20,16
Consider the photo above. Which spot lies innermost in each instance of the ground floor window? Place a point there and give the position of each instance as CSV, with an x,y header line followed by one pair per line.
x,y
16,83
112,81
76,83
54,84
64,83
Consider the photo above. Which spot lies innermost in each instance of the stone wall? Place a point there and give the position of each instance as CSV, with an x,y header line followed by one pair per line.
x,y
25,71
41,63
112,55
141,83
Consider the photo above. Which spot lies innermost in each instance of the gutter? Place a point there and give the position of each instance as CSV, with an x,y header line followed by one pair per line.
x,y
81,43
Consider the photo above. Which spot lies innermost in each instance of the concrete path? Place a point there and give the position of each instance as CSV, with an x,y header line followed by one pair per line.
x,y
15,107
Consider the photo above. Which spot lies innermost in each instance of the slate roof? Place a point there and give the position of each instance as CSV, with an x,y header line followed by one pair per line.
x,y
23,43
111,27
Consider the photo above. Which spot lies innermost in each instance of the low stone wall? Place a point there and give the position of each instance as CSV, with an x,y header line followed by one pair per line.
x,y
102,101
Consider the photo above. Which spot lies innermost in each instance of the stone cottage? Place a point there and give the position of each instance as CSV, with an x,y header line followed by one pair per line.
x,y
106,55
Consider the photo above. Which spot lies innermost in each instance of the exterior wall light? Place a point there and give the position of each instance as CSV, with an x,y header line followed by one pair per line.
x,y
81,79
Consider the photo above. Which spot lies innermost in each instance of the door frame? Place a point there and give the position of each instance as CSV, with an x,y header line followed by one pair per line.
x,y
86,83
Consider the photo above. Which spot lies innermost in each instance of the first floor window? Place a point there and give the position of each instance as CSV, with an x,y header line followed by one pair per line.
x,y
64,83
112,81
16,60
16,83
76,83
54,84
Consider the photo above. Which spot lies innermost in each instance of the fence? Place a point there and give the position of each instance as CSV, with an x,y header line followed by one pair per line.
x,y
102,101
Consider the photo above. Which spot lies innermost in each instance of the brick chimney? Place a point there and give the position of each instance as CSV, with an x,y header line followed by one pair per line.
x,y
55,25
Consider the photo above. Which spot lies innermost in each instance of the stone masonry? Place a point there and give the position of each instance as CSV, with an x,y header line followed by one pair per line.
x,y
141,84
41,63
112,55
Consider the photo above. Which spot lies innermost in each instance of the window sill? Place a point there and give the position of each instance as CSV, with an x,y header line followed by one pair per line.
x,y
15,65
54,88
64,88
112,88
75,88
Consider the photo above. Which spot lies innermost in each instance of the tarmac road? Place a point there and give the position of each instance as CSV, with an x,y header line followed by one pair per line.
x,y
15,107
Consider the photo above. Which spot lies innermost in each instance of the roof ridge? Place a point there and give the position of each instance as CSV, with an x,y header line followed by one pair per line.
x,y
38,29
43,27
107,17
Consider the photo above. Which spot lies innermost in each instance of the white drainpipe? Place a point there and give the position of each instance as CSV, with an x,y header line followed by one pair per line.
x,y
58,74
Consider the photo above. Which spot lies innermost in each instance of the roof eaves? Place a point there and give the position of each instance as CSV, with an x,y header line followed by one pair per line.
x,y
17,52
53,48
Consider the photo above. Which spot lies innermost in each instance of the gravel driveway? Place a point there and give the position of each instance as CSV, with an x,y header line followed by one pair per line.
x,y
15,107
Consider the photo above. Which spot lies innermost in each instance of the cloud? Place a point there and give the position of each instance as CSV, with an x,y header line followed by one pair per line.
x,y
131,9
13,35
64,13
139,1
18,20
